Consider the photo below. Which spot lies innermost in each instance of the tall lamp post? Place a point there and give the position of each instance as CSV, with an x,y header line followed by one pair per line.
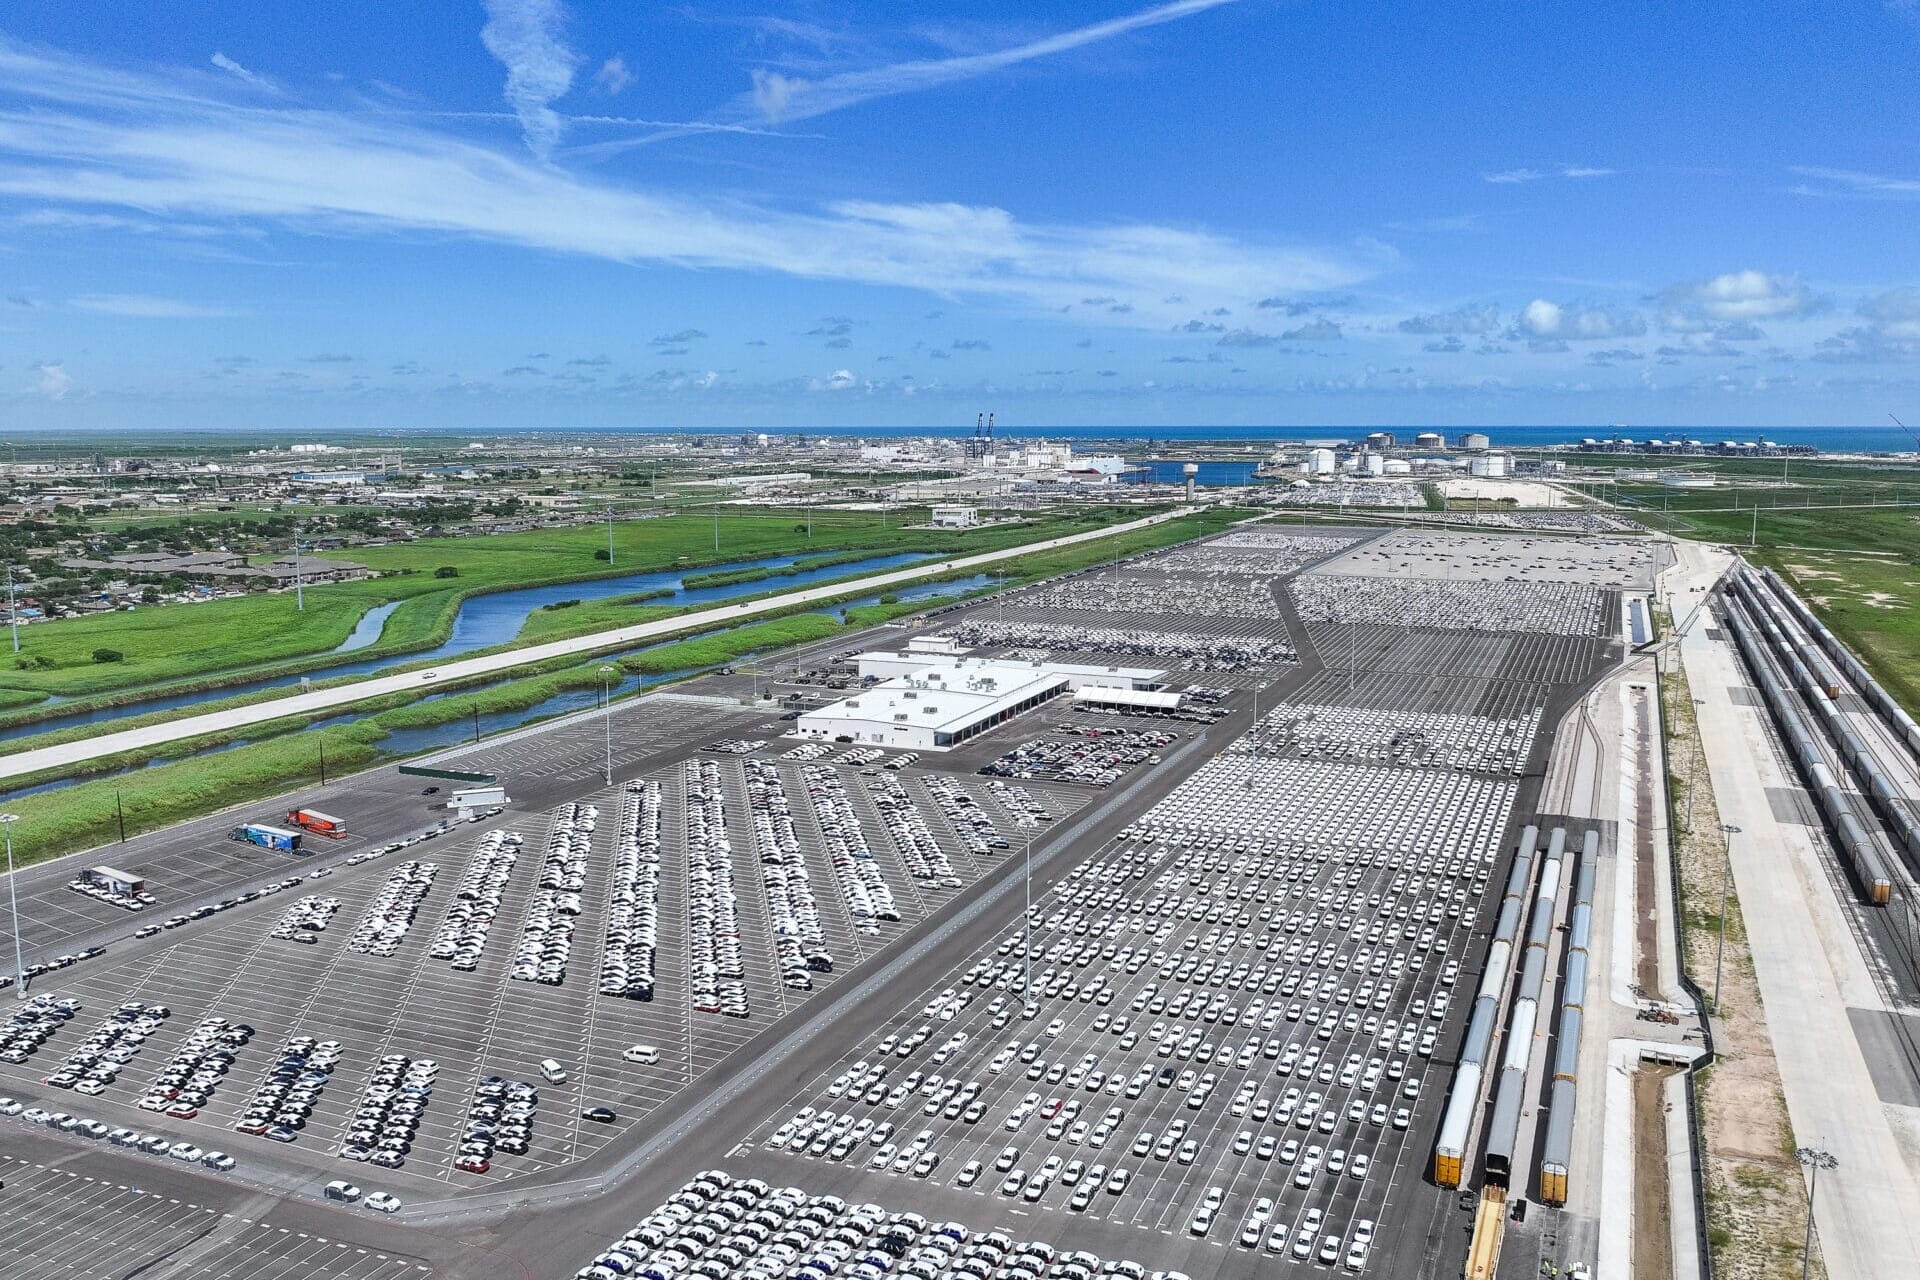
x,y
1727,831
606,713
1814,1159
13,895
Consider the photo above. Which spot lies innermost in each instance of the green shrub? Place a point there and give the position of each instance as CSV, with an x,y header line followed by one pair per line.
x,y
446,571
109,655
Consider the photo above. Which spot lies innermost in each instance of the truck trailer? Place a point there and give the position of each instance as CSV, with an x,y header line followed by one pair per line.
x,y
320,824
267,837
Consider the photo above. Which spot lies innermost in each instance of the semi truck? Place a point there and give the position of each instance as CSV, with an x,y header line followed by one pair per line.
x,y
320,824
267,837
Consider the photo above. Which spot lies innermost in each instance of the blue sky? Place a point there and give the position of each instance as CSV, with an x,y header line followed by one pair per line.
x,y
526,213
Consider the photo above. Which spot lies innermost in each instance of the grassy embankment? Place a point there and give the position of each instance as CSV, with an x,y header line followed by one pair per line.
x,y
183,647
279,756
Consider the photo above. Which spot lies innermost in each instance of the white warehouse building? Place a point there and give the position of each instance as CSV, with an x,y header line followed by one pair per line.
x,y
931,703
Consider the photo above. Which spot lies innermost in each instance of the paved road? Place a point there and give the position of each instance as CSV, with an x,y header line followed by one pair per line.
x,y
70,753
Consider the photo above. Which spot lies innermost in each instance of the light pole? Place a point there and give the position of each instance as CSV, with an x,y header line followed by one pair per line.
x,y
609,533
1728,831
606,713
13,610
13,895
299,587
1816,1160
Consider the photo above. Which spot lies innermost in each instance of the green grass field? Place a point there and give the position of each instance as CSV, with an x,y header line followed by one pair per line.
x,y
1856,566
244,636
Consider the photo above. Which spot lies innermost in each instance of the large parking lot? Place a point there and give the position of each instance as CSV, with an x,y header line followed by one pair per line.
x,y
486,955
1218,1043
1219,1027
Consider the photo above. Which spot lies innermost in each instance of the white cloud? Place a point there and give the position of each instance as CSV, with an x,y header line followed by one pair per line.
x,y
74,136
145,307
1853,182
1467,319
1742,295
54,381
234,69
1550,322
613,76
524,35
775,96
1891,332
1576,171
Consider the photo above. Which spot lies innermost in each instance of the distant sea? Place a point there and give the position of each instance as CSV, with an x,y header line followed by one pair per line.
x,y
1888,439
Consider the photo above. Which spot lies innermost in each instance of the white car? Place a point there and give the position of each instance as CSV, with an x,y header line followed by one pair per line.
x,y
644,1054
381,1202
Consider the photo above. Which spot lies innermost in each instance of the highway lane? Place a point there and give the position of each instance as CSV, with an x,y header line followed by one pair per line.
x,y
66,754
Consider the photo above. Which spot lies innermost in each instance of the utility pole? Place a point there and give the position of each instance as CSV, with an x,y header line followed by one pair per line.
x,y
299,587
1815,1159
13,894
120,814
323,760
609,533
1728,831
13,610
1753,538
715,504
607,715
476,720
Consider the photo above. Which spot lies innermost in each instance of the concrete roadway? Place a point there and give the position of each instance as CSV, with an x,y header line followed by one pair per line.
x,y
71,753
1865,1210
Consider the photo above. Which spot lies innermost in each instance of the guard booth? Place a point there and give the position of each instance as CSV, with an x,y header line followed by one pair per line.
x,y
115,881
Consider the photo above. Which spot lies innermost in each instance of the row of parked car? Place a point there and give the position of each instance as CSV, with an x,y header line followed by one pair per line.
x,y
96,1062
32,1024
390,914
553,912
291,1089
198,1066
305,919
793,911
382,1129
1090,755
717,1227
906,825
500,1118
863,885
716,972
968,818
628,963
462,935
131,1139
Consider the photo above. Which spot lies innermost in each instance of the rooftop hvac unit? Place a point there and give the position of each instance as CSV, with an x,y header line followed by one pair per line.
x,y
899,715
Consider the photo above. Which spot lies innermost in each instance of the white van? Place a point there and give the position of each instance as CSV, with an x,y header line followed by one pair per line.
x,y
553,1071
